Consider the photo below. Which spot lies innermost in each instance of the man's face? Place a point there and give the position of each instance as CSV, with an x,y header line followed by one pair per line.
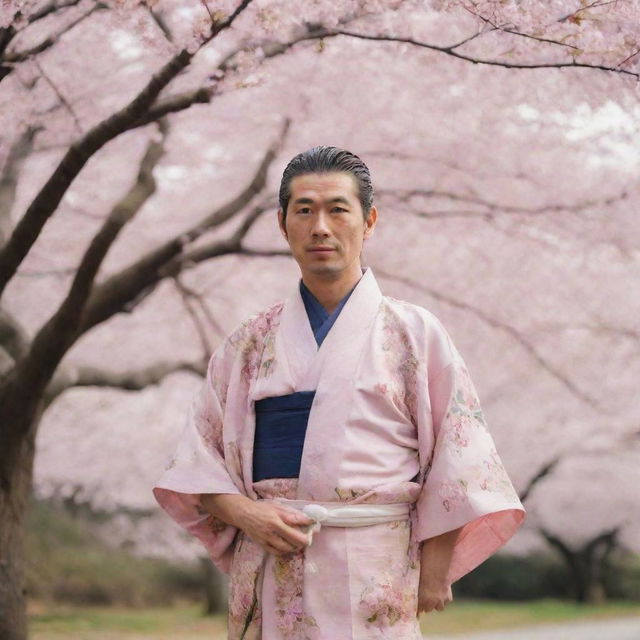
x,y
324,225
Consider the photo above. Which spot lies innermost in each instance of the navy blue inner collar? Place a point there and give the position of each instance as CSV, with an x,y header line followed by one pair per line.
x,y
320,319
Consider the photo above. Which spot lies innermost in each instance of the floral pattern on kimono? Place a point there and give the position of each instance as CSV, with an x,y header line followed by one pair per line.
x,y
401,358
245,607
288,574
252,339
463,477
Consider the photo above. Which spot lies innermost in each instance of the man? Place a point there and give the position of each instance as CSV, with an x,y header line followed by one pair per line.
x,y
336,462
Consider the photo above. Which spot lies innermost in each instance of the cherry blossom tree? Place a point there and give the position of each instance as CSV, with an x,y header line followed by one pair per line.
x,y
135,175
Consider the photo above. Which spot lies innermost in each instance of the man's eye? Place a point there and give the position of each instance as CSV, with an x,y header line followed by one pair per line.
x,y
338,209
304,210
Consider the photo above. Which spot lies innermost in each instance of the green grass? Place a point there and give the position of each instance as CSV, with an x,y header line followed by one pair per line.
x,y
67,564
100,623
187,623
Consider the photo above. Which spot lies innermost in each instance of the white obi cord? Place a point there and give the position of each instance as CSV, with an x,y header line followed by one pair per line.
x,y
331,514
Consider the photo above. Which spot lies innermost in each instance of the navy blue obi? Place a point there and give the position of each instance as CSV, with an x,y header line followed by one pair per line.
x,y
281,424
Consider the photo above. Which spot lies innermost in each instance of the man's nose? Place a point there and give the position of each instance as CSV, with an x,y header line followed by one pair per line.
x,y
320,226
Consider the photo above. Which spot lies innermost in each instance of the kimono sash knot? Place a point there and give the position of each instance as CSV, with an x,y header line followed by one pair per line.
x,y
331,514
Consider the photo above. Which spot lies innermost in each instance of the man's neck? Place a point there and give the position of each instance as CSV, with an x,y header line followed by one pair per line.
x,y
329,291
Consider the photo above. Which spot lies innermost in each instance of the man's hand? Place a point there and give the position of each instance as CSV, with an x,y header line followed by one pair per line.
x,y
276,528
434,590
433,596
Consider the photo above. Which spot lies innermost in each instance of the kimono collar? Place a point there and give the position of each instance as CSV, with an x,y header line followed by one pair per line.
x,y
320,319
296,341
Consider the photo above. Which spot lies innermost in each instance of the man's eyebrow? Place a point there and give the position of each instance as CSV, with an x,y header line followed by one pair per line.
x,y
329,200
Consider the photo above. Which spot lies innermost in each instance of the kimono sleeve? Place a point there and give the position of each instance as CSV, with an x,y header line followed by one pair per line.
x,y
198,466
465,483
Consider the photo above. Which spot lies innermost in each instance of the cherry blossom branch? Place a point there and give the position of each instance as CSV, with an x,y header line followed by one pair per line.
x,y
46,201
14,340
450,50
173,104
124,290
594,4
55,337
12,58
521,34
67,377
318,34
502,326
542,473
49,8
60,95
162,25
232,244
18,153
407,194
187,295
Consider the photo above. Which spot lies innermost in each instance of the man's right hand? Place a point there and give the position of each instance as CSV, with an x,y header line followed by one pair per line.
x,y
276,528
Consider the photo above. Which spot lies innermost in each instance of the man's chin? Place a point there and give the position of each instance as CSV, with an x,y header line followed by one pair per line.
x,y
324,269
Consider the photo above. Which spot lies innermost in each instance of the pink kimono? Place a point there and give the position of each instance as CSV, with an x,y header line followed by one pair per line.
x,y
395,418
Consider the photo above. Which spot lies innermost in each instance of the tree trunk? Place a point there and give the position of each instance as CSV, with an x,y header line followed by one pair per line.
x,y
15,491
588,565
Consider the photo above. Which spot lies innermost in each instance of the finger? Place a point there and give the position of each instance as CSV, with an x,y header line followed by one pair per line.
x,y
273,551
281,554
292,535
295,518
440,606
276,541
430,605
282,546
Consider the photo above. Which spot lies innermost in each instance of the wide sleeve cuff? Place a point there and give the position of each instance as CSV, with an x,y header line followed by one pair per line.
x,y
465,483
198,466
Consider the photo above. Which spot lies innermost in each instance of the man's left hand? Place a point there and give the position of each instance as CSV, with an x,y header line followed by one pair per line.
x,y
433,596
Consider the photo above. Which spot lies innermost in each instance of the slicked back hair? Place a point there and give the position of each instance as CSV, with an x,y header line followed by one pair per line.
x,y
323,159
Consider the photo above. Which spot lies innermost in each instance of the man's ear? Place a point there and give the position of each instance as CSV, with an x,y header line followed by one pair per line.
x,y
281,224
370,222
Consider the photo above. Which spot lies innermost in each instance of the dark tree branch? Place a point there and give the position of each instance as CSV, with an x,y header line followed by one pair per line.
x,y
204,307
498,324
520,34
61,97
44,205
49,8
448,50
540,475
406,195
162,25
18,153
594,4
68,377
14,339
62,329
124,290
173,104
13,58
7,34
187,294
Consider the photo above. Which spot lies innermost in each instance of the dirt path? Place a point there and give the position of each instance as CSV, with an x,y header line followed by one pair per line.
x,y
618,629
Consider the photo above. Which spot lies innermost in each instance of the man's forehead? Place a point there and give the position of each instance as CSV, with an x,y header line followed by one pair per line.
x,y
335,183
